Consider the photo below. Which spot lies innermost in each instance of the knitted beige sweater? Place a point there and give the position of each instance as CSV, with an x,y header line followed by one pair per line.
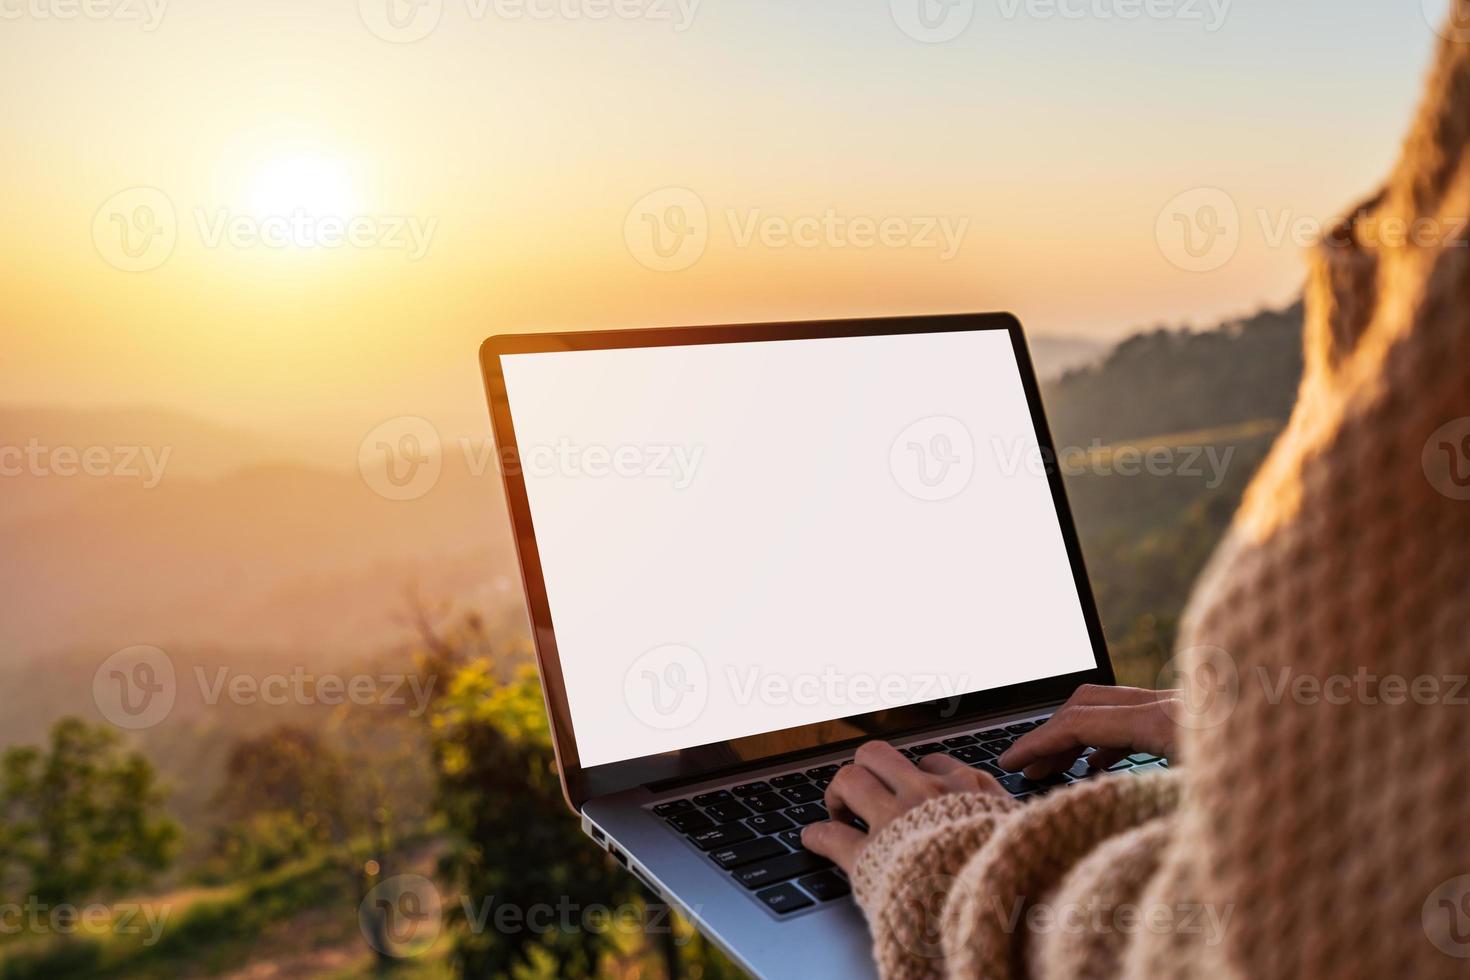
x,y
1315,835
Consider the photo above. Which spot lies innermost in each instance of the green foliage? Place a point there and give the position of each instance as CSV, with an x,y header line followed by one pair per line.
x,y
519,845
283,792
81,818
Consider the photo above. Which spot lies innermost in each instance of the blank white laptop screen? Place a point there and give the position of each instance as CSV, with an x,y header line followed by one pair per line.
x,y
748,537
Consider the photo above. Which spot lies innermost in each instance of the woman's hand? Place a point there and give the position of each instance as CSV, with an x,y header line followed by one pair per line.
x,y
878,788
1114,721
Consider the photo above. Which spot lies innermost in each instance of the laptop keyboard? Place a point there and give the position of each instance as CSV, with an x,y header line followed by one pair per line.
x,y
752,830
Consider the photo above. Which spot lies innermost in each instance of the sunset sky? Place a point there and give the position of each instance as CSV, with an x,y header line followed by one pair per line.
x,y
515,147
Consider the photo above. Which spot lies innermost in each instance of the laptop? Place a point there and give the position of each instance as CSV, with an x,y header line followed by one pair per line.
x,y
749,549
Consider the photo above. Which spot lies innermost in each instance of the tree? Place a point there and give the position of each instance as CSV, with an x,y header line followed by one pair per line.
x,y
81,818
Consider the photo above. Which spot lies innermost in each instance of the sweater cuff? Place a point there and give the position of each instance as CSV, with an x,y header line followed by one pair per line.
x,y
904,875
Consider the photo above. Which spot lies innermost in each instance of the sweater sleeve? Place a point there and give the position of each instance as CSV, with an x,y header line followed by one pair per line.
x,y
947,886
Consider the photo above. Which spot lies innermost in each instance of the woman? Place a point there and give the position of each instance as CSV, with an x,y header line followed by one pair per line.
x,y
1316,822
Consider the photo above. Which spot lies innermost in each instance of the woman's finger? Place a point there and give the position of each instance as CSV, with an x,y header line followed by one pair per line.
x,y
835,841
889,765
942,765
856,792
1109,694
1076,727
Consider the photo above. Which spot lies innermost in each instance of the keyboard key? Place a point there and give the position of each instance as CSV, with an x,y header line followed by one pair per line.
x,y
997,746
825,886
803,793
710,799
1082,769
672,807
970,754
821,783
1018,785
747,853
823,772
1148,767
783,899
1120,765
807,813
1021,727
725,812
772,870
1139,758
792,839
752,789
688,823
765,803
990,734
959,741
928,748
769,823
989,767
790,779
908,754
722,836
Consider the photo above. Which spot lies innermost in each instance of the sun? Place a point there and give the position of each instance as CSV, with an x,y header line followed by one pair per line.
x,y
316,185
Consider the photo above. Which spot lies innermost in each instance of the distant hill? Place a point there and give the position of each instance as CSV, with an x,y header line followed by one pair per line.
x,y
1054,356
1182,380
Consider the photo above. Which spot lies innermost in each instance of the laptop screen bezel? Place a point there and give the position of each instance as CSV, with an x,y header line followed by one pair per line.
x,y
581,784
